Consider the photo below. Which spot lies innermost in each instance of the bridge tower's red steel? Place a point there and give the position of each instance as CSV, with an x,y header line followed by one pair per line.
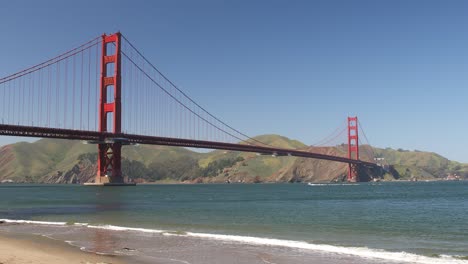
x,y
109,153
353,148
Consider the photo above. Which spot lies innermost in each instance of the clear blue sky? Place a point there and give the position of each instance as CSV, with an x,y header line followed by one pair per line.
x,y
295,68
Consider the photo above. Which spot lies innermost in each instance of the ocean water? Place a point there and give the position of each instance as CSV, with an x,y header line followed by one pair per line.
x,y
415,222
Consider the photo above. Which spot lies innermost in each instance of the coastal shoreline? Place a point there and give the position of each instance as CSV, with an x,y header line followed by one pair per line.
x,y
21,248
85,244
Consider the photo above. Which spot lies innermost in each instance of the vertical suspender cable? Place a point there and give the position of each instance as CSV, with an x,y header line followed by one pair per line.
x,y
66,95
73,110
81,92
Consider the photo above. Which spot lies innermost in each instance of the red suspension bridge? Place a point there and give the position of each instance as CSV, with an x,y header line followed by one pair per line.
x,y
106,92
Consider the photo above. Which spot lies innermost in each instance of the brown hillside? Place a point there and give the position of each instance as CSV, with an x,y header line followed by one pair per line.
x,y
314,170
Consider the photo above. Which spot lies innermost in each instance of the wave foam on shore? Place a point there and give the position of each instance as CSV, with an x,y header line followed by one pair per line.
x,y
362,252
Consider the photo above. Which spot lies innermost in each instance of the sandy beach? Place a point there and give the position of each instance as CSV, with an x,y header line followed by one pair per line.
x,y
21,249
17,245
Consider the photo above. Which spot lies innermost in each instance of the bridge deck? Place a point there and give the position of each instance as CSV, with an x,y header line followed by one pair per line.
x,y
42,132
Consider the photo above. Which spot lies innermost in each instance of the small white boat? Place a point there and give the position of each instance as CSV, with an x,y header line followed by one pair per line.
x,y
315,184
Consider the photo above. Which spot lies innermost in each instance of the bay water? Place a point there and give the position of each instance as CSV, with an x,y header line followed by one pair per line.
x,y
400,220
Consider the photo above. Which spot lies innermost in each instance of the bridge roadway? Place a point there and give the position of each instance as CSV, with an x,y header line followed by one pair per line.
x,y
106,137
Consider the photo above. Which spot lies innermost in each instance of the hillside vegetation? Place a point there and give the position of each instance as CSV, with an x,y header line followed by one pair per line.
x,y
64,161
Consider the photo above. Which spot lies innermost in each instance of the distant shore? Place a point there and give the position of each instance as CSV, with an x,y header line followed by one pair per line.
x,y
20,249
173,182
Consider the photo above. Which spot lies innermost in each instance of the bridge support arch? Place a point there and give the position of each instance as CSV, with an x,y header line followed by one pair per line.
x,y
353,149
109,153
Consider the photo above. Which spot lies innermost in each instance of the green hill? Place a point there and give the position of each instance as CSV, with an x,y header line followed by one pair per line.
x,y
49,160
64,161
419,164
31,162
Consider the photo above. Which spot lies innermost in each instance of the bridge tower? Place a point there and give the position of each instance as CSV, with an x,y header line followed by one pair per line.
x,y
353,148
109,152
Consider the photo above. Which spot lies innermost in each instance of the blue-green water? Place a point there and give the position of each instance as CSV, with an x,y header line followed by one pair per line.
x,y
424,218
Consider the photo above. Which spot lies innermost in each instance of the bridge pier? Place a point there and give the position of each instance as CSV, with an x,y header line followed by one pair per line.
x,y
353,172
109,153
109,167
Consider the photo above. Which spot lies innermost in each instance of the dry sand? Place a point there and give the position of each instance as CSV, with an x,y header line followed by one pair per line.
x,y
19,249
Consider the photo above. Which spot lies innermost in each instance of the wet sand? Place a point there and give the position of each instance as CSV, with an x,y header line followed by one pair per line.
x,y
20,249
17,245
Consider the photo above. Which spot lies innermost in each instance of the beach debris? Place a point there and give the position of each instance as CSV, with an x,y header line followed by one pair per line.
x,y
128,249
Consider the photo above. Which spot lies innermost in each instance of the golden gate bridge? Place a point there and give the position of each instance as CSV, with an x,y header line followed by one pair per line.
x,y
107,93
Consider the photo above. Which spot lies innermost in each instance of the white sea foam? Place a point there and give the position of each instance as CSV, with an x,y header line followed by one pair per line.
x,y
49,237
32,222
362,252
122,228
353,251
81,224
